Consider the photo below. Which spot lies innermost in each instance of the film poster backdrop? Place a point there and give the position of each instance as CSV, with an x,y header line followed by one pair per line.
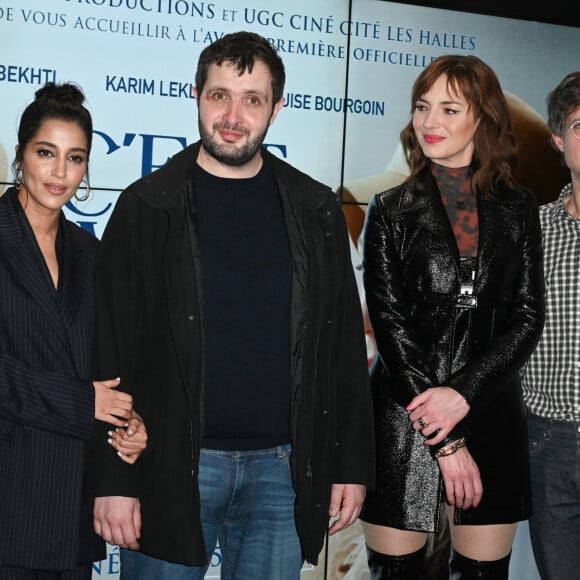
x,y
350,68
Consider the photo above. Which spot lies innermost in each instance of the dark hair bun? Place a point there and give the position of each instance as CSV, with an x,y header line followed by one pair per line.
x,y
63,93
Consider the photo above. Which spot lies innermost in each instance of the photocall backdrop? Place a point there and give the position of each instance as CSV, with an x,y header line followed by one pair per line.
x,y
350,67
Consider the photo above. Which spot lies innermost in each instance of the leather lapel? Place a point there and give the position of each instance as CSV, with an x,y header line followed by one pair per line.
x,y
496,219
425,202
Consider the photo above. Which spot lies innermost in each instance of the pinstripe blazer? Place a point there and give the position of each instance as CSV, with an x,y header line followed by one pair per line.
x,y
46,398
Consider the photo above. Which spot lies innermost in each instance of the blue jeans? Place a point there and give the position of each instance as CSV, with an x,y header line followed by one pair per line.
x,y
247,505
555,472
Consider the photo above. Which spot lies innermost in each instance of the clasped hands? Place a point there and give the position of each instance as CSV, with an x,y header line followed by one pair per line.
x,y
434,413
118,519
129,435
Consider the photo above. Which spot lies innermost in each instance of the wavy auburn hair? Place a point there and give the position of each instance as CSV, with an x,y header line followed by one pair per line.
x,y
495,152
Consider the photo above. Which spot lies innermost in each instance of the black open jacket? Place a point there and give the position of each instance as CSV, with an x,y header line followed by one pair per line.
x,y
149,332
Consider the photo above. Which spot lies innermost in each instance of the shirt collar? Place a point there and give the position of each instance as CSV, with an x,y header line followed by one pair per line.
x,y
559,208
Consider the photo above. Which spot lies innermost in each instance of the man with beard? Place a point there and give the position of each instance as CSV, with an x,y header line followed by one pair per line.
x,y
227,304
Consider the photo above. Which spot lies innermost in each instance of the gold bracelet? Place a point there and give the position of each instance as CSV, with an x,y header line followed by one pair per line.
x,y
451,448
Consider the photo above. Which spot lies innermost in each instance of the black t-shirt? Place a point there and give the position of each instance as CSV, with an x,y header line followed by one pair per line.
x,y
246,282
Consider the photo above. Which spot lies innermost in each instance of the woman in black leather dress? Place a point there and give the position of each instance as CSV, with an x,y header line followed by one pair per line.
x,y
455,292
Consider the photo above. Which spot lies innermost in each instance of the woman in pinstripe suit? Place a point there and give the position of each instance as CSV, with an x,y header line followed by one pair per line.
x,y
48,403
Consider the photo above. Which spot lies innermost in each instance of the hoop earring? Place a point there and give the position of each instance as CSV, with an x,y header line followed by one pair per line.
x,y
87,191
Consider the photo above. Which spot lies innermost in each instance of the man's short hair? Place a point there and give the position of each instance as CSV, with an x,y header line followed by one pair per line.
x,y
564,99
242,49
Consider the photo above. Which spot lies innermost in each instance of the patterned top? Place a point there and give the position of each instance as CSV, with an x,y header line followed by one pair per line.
x,y
552,376
461,205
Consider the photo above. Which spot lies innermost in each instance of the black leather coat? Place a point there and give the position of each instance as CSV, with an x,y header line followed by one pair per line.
x,y
427,336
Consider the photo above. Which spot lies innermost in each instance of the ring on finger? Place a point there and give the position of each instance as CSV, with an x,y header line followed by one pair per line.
x,y
421,423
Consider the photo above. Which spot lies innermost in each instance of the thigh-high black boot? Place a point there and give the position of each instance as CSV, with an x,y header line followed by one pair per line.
x,y
406,567
463,568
